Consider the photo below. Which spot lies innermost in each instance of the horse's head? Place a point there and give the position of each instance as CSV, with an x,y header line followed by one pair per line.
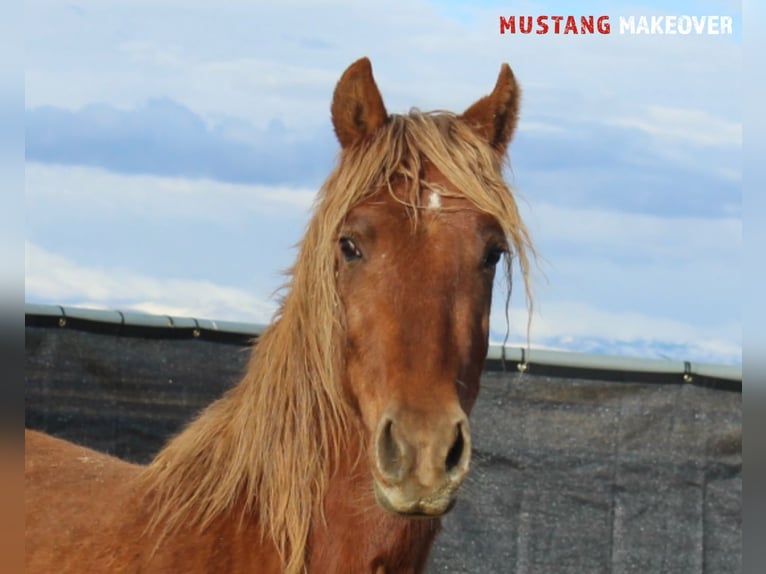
x,y
415,264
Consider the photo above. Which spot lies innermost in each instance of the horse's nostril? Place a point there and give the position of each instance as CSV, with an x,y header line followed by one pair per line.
x,y
389,454
455,454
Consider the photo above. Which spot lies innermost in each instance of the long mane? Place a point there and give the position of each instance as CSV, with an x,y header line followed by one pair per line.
x,y
268,447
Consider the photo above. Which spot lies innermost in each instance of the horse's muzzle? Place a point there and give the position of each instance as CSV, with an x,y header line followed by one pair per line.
x,y
421,459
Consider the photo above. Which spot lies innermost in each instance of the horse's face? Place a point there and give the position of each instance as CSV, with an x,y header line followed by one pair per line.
x,y
417,302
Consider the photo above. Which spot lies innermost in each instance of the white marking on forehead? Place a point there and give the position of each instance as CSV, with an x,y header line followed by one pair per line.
x,y
434,201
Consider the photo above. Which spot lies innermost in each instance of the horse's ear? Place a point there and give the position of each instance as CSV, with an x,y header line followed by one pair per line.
x,y
494,116
357,107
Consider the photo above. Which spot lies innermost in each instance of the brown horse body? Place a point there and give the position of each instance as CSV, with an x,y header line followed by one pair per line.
x,y
347,438
99,524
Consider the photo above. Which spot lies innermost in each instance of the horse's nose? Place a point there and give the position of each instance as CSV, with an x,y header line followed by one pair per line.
x,y
430,449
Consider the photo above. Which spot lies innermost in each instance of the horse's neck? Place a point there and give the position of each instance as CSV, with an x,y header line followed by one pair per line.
x,y
228,544
359,536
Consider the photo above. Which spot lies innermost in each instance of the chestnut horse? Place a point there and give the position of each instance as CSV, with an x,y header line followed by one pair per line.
x,y
347,438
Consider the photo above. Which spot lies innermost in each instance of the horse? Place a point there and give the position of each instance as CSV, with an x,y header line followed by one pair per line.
x,y
347,438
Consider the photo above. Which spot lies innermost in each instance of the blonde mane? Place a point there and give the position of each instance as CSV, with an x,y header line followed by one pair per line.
x,y
268,447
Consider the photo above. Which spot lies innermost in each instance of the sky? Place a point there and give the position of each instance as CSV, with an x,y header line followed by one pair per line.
x,y
173,151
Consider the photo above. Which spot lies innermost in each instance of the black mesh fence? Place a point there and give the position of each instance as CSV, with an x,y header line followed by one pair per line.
x,y
604,473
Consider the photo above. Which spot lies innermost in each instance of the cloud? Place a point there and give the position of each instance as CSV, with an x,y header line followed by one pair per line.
x,y
167,227
608,165
629,283
578,162
628,237
53,278
212,61
164,137
247,58
104,194
664,280
212,133
584,328
675,125
611,121
686,268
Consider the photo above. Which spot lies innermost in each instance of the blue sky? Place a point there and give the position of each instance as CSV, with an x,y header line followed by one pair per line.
x,y
174,148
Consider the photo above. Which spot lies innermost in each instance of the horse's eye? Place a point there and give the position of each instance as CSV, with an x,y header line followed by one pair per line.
x,y
492,257
349,249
